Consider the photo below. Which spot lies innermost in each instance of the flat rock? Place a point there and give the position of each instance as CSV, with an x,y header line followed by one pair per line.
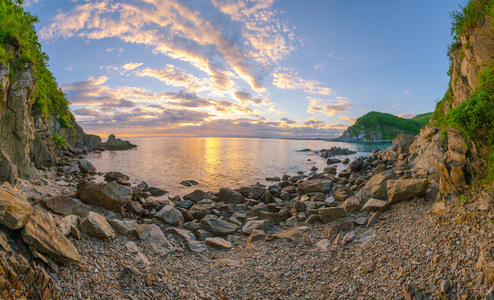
x,y
315,186
329,214
124,227
95,225
197,196
230,196
15,211
376,186
42,233
295,234
351,205
219,243
219,227
67,223
255,225
373,205
86,167
158,242
66,206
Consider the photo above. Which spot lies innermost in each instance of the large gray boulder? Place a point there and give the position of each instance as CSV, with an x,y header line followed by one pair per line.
x,y
95,225
197,196
330,214
110,195
228,195
170,215
315,186
65,206
86,167
160,245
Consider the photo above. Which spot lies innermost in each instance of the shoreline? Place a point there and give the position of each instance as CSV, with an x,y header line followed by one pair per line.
x,y
263,241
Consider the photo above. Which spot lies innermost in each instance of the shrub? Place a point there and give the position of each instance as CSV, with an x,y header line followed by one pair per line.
x,y
58,140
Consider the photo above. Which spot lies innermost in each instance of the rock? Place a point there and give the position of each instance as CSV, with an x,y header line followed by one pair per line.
x,y
273,178
95,225
143,231
154,191
219,243
186,204
129,273
170,215
189,239
485,263
67,223
329,214
300,206
66,206
117,144
361,221
219,227
402,189
202,234
255,225
351,205
116,176
313,219
273,218
159,244
228,195
374,218
252,192
411,292
197,196
333,160
124,227
315,186
490,294
330,170
376,187
42,233
139,258
267,197
257,236
330,201
15,211
109,195
445,285
323,245
86,167
373,205
189,182
349,237
294,234
342,194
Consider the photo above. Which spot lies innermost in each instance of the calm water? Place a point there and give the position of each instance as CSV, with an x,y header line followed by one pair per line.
x,y
217,162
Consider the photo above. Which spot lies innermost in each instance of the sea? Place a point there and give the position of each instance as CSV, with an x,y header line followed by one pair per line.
x,y
213,163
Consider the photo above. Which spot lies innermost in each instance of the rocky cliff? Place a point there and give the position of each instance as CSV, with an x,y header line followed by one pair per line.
x,y
455,144
376,126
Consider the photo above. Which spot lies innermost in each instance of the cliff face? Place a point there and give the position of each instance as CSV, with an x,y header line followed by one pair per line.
x,y
442,148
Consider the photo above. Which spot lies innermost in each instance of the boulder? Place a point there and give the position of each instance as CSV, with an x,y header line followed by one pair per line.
x,y
219,243
15,211
252,192
228,196
255,225
402,189
67,223
109,195
197,196
189,239
333,160
295,234
219,227
124,227
159,244
373,205
351,205
117,144
86,167
376,186
116,176
329,214
95,225
42,233
170,215
315,186
66,206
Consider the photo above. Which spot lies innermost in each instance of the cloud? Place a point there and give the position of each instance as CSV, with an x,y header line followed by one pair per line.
x,y
314,123
85,112
328,107
319,67
245,97
235,38
288,121
131,66
288,79
407,116
120,103
348,119
173,76
397,106
406,92
335,57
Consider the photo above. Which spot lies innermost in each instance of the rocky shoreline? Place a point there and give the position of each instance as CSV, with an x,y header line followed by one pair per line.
x,y
363,233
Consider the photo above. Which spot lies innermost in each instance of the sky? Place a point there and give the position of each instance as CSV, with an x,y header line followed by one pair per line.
x,y
256,68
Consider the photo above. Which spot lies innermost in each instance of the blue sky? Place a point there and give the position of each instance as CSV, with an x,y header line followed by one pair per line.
x,y
266,68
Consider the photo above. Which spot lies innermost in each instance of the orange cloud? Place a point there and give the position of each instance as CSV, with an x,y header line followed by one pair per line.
x,y
288,79
328,107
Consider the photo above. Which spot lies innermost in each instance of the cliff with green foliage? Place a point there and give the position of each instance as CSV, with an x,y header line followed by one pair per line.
x,y
459,141
34,111
376,126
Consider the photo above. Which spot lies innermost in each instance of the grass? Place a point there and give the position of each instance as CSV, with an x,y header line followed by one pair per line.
x,y
58,140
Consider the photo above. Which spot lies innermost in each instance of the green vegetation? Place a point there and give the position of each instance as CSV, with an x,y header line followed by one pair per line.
x,y
388,125
19,45
58,140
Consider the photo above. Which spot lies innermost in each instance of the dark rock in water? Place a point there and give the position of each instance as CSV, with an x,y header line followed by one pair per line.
x,y
197,196
334,151
86,167
304,150
117,144
189,182
116,176
333,161
154,191
276,178
142,185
